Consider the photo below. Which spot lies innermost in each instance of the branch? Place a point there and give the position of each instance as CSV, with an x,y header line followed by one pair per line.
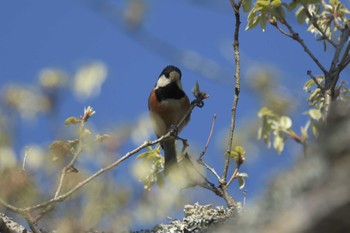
x,y
212,170
315,80
236,7
343,39
198,102
345,59
296,37
31,223
200,160
234,175
209,138
208,185
67,168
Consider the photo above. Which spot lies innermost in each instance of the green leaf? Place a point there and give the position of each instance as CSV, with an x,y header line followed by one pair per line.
x,y
291,6
315,114
262,21
304,134
60,148
240,150
265,112
241,182
247,5
160,180
265,4
264,132
243,175
253,20
314,130
309,84
279,13
333,2
301,15
285,122
102,137
150,155
278,143
72,120
276,3
238,154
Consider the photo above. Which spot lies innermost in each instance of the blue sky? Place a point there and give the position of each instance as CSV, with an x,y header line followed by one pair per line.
x,y
67,34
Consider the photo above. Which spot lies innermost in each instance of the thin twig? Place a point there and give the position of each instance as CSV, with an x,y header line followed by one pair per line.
x,y
343,39
31,223
297,38
234,175
237,78
62,197
209,138
209,185
345,58
11,207
315,80
67,167
281,30
212,170
42,213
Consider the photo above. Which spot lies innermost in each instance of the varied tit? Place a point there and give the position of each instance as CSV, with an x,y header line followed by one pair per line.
x,y
167,105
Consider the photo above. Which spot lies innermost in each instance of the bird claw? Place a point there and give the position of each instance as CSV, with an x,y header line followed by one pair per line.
x,y
174,130
199,103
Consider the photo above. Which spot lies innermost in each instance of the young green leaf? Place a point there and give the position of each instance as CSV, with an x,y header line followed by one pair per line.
x,y
278,143
301,15
247,5
315,114
263,22
285,122
276,3
72,120
241,182
253,20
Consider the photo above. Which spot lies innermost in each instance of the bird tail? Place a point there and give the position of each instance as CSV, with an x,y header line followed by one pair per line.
x,y
169,154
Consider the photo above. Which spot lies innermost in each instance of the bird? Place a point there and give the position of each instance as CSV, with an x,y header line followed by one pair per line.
x,y
167,105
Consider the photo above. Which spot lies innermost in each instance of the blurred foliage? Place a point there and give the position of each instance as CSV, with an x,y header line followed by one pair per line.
x,y
325,18
149,169
33,175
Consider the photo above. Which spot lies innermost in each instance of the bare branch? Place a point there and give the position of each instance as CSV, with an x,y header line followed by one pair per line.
x,y
212,170
237,77
31,223
343,39
59,198
209,138
345,58
315,80
296,37
234,175
11,207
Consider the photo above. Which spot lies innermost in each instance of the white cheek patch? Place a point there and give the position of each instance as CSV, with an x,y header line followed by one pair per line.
x,y
163,81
